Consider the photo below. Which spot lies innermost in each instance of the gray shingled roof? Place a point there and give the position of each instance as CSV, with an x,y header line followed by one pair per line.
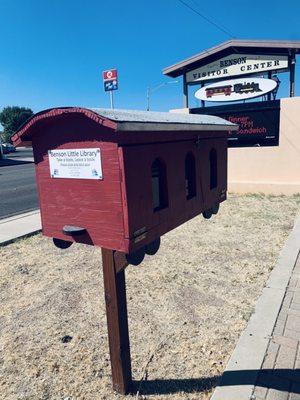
x,y
149,120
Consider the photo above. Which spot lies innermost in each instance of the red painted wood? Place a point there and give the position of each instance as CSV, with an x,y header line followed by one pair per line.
x,y
92,204
113,209
35,124
137,184
220,145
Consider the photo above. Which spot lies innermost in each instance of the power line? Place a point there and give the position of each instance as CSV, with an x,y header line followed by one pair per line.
x,y
215,20
207,19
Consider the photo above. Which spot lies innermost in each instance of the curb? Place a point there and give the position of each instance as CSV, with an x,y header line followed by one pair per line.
x,y
8,162
252,345
19,226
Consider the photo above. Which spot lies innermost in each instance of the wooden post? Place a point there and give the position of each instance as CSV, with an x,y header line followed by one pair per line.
x,y
117,323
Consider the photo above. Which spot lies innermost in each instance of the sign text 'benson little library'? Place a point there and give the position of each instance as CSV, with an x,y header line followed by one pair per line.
x,y
75,163
237,64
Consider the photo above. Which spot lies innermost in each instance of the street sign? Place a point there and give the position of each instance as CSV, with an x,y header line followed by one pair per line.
x,y
110,80
110,74
111,85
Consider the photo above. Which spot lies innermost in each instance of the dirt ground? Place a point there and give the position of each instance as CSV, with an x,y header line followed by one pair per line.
x,y
187,307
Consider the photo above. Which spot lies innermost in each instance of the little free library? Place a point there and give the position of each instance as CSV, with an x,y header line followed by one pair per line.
x,y
121,179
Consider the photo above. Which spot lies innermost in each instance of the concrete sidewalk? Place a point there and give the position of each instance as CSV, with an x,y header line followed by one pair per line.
x,y
279,377
265,363
18,226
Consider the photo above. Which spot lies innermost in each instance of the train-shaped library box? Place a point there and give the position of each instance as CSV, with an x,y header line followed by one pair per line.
x,y
120,180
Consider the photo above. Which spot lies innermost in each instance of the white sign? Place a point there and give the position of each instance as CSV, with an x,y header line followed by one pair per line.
x,y
237,64
75,163
236,89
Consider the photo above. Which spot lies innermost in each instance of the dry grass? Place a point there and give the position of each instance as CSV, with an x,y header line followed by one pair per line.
x,y
187,306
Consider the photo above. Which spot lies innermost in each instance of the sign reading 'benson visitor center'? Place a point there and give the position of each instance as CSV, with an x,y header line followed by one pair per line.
x,y
237,64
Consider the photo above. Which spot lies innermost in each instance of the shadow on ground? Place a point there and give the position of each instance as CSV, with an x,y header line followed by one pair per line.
x,y
169,386
287,380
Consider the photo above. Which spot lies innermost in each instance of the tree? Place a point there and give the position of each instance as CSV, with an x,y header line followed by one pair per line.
x,y
12,118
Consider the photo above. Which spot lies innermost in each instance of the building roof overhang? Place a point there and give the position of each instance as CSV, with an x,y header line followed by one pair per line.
x,y
272,47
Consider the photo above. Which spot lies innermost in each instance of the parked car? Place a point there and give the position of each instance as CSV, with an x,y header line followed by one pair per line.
x,y
5,149
8,148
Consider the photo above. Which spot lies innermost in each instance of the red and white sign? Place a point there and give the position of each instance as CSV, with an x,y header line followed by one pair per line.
x,y
110,74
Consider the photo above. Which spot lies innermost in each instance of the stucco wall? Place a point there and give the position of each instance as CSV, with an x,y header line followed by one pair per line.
x,y
270,170
273,170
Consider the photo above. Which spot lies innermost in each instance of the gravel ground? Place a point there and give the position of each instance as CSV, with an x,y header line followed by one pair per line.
x,y
187,307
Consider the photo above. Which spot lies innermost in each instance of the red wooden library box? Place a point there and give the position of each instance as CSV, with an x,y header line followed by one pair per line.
x,y
121,179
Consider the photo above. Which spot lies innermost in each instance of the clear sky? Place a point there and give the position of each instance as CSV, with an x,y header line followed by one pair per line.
x,y
53,51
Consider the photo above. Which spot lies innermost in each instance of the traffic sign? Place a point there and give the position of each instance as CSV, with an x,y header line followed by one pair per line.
x,y
110,85
110,80
110,74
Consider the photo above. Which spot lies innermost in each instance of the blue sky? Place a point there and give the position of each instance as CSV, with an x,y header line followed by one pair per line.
x,y
53,52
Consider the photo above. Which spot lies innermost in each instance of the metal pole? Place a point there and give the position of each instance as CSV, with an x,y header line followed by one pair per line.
x,y
269,95
148,98
202,101
111,93
185,93
292,74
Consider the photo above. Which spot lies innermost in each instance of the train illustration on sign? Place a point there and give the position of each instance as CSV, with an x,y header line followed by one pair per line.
x,y
240,88
236,89
217,91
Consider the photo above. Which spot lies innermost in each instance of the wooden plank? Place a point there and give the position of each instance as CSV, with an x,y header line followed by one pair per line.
x,y
92,204
117,323
120,261
137,188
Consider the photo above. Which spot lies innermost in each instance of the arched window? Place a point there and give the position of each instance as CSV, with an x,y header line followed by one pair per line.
x,y
190,176
213,162
159,185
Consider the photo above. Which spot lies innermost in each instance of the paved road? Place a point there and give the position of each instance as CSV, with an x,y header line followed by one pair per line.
x,y
17,185
21,153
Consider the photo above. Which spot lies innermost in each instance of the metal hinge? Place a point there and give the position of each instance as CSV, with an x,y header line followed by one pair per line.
x,y
198,142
